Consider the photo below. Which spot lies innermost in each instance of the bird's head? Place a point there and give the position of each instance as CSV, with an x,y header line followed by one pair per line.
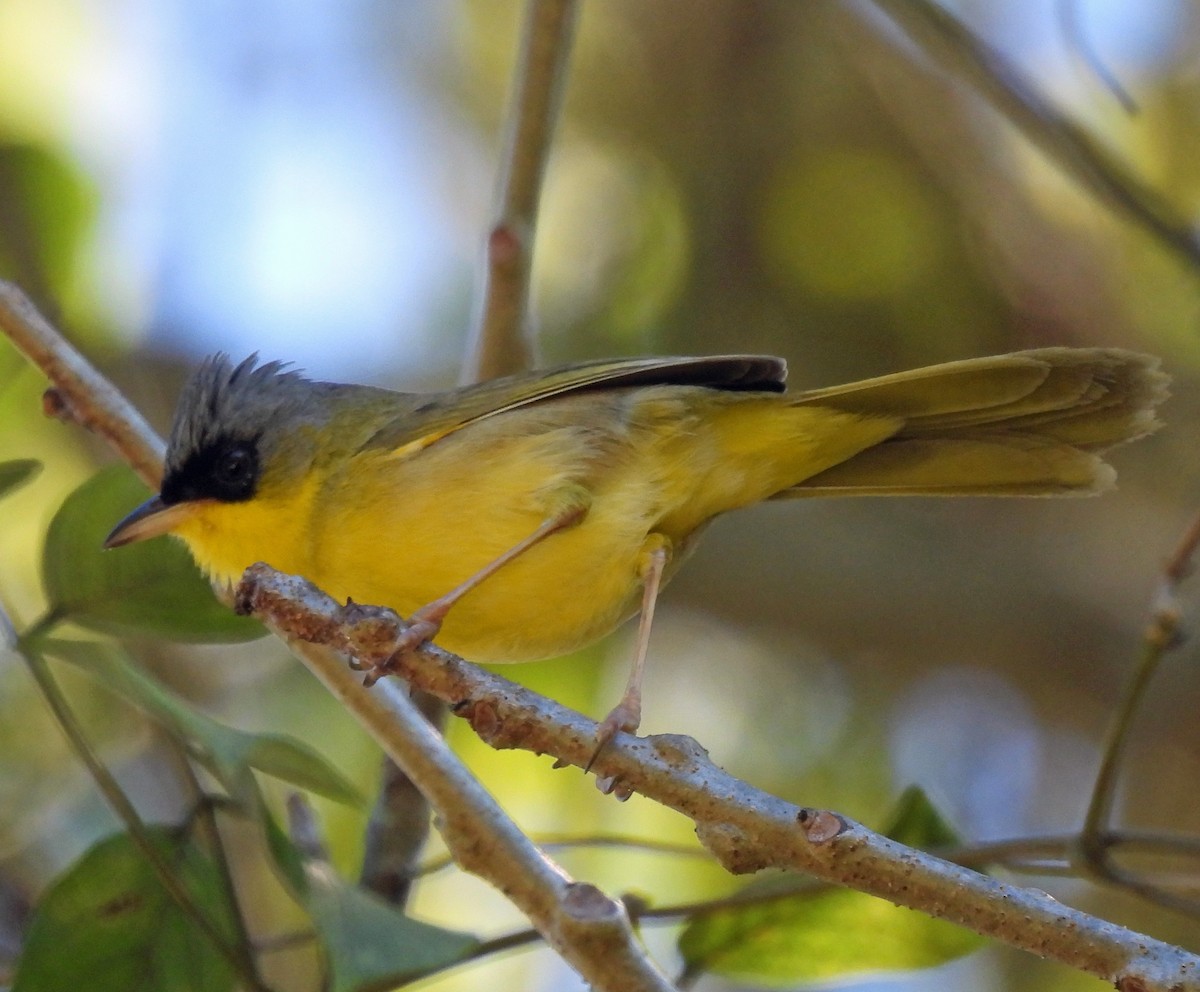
x,y
242,434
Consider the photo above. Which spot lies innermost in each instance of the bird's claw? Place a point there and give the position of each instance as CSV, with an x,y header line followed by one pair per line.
x,y
420,631
625,717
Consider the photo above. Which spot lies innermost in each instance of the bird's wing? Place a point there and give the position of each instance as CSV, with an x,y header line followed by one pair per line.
x,y
438,414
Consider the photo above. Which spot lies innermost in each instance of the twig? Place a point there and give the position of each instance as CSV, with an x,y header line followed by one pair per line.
x,y
745,828
1072,28
399,823
79,393
1162,634
502,340
206,815
564,842
968,58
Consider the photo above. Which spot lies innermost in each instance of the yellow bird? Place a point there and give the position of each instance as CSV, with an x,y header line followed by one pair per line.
x,y
529,516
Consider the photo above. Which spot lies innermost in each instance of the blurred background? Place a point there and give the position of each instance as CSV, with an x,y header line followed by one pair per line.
x,y
313,182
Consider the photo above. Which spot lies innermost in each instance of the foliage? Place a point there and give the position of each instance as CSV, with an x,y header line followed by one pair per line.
x,y
149,589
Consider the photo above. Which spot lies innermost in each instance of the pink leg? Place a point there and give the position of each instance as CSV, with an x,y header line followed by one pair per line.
x,y
627,714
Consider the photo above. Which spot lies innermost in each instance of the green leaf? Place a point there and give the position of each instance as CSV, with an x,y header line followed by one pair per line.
x,y
227,752
284,854
916,822
150,589
108,925
16,473
826,933
370,945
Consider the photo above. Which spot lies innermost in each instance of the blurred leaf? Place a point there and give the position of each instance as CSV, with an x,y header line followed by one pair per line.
x,y
150,589
16,473
47,205
916,822
108,925
227,752
371,945
829,933
286,857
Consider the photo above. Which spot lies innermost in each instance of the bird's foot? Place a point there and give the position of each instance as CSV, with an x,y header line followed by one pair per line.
x,y
419,631
625,717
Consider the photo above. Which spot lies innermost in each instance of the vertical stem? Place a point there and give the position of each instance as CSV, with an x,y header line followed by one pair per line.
x,y
1162,634
502,341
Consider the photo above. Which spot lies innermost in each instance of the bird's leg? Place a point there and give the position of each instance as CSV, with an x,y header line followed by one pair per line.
x,y
627,714
424,623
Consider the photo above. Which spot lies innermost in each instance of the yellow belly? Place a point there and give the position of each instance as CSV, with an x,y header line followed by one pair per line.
x,y
449,518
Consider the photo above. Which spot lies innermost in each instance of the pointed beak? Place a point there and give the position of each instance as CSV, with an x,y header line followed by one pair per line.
x,y
152,518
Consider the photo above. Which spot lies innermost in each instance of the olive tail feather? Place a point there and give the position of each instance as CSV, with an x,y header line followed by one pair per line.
x,y
1032,423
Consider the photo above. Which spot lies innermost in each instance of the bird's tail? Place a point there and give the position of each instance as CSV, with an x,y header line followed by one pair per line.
x,y
1032,423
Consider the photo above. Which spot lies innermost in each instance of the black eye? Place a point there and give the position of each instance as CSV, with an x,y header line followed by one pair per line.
x,y
234,467
226,469
234,472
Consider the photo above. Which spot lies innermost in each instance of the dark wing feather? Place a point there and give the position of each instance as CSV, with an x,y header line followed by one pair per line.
x,y
438,414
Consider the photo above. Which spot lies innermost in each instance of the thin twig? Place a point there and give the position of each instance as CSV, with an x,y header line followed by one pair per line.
x,y
745,828
1069,17
502,340
1065,142
79,393
1162,634
563,842
207,816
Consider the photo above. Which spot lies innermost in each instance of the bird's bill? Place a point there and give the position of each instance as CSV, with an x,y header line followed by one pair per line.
x,y
152,518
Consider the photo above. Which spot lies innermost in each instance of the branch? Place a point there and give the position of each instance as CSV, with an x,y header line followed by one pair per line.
x,y
1162,634
399,823
588,929
502,340
79,393
745,828
950,44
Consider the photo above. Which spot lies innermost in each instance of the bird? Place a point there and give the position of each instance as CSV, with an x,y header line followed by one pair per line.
x,y
528,516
